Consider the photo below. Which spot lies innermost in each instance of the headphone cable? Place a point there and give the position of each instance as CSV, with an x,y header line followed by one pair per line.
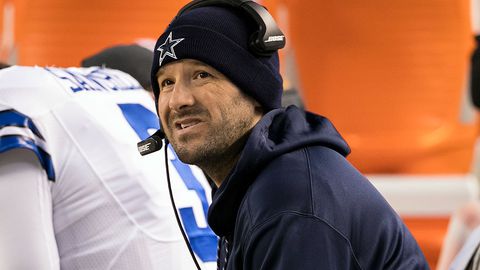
x,y
194,258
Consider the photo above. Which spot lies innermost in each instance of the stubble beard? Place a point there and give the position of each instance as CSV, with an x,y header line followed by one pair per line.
x,y
215,148
222,144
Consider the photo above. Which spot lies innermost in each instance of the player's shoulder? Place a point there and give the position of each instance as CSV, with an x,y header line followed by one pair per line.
x,y
35,90
71,79
21,76
31,90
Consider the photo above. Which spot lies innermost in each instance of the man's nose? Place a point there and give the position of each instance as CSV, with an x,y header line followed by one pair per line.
x,y
181,97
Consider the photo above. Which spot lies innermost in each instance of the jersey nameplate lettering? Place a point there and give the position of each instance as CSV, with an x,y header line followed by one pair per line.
x,y
94,79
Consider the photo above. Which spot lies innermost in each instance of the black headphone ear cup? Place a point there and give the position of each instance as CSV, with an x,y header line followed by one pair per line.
x,y
255,45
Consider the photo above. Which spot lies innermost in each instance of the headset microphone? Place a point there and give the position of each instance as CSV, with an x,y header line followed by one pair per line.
x,y
151,144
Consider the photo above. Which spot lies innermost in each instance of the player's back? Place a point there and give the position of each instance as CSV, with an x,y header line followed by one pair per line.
x,y
110,205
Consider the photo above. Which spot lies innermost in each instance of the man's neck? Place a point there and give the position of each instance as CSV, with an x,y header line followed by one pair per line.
x,y
220,166
218,171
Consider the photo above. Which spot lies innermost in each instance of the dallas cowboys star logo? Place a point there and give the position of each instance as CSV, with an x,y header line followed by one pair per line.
x,y
166,49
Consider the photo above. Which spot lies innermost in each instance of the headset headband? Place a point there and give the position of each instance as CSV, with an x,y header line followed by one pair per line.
x,y
263,42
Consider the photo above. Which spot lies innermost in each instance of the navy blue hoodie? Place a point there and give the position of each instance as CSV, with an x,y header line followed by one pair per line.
x,y
294,202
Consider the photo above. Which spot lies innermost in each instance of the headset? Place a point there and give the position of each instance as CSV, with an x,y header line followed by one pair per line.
x,y
264,42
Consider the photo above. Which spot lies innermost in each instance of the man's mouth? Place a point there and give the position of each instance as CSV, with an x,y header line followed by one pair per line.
x,y
184,124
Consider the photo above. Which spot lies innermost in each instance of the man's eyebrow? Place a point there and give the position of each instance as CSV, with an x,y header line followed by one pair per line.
x,y
197,64
200,64
160,72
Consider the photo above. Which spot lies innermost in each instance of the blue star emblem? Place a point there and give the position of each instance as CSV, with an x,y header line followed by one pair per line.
x,y
166,49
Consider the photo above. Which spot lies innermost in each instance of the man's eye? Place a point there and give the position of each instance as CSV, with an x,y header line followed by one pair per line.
x,y
203,75
166,83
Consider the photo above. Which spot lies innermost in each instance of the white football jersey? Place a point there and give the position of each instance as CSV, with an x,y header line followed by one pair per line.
x,y
111,207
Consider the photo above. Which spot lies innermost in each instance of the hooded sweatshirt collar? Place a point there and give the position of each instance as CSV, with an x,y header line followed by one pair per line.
x,y
278,132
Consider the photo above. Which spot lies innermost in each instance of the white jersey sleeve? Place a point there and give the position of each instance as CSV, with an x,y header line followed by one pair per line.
x,y
27,237
19,131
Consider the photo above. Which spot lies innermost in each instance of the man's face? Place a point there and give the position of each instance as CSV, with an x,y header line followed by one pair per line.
x,y
203,114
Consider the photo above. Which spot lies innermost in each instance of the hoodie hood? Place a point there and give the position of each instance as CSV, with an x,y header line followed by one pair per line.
x,y
280,131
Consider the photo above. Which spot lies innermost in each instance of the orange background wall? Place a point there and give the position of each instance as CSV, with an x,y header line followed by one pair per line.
x,y
61,33
390,74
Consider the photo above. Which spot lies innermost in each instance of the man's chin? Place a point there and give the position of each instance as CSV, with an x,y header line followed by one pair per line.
x,y
187,157
186,152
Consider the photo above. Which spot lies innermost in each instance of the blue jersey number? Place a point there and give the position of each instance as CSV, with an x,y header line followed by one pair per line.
x,y
203,240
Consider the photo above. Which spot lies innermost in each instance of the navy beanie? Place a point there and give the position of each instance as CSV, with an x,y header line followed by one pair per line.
x,y
219,37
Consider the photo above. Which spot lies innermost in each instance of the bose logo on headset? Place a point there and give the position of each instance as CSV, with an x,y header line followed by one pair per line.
x,y
275,38
265,41
151,144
